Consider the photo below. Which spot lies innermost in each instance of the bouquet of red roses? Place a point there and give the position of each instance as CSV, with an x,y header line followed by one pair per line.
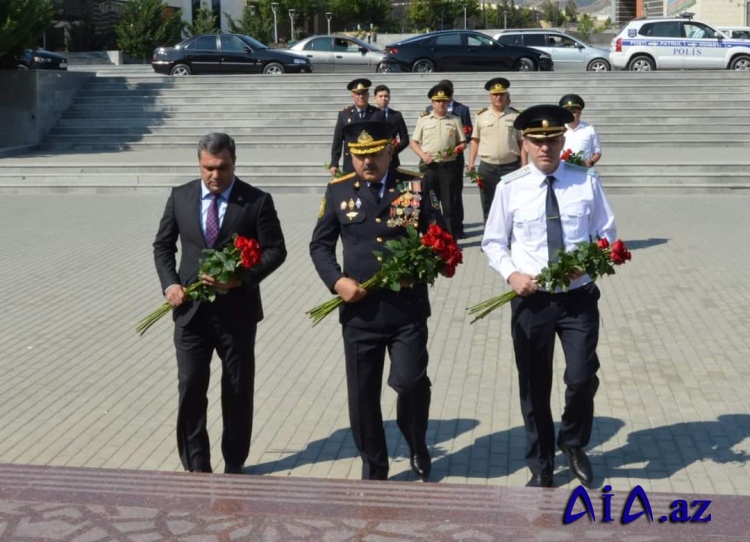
x,y
476,177
452,151
594,258
573,158
231,262
408,260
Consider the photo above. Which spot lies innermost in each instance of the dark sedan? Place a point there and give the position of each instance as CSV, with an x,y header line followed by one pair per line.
x,y
462,51
226,53
40,60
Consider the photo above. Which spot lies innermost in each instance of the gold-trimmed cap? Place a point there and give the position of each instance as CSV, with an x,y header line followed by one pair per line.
x,y
359,85
440,93
497,85
543,121
368,136
570,101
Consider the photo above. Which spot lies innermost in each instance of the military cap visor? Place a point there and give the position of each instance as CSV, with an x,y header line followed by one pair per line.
x,y
572,101
543,121
498,85
359,85
368,137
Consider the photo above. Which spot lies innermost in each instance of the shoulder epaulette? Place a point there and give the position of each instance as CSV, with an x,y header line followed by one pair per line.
x,y
409,172
423,113
525,170
482,111
513,109
342,178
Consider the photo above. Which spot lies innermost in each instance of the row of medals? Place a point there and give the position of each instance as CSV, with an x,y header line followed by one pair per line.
x,y
404,210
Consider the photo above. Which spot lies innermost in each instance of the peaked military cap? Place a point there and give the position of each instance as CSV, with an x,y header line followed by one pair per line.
x,y
359,85
543,121
368,136
440,92
572,100
498,85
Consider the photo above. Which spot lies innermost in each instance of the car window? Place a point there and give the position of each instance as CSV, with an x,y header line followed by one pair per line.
x,y
319,44
741,34
204,43
565,41
252,42
666,29
698,30
232,43
510,39
448,39
345,46
477,40
535,40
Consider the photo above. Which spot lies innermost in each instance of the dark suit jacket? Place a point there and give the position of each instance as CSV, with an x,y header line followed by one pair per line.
x,y
346,116
362,234
251,213
397,120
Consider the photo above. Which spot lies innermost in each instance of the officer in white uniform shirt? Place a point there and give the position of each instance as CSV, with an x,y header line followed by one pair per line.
x,y
538,209
580,135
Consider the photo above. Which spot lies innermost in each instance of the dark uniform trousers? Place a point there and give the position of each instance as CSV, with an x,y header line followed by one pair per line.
x,y
535,321
446,179
364,351
195,342
491,175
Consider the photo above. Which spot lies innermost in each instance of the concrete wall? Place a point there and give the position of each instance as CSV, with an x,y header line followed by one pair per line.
x,y
32,101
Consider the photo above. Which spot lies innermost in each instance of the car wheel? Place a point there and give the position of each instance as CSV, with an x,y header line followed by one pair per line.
x,y
273,68
22,67
382,68
180,70
741,62
598,65
423,65
524,64
641,64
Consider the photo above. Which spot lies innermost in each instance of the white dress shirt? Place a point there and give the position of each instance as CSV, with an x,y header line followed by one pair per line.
x,y
582,138
515,237
206,198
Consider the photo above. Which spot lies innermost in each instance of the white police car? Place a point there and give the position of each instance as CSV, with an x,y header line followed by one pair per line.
x,y
676,43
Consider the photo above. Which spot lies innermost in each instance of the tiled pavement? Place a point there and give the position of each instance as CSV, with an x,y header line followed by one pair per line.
x,y
80,388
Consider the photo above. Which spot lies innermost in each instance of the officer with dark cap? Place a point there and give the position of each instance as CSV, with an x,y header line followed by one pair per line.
x,y
360,110
366,209
495,141
538,210
438,140
580,136
463,112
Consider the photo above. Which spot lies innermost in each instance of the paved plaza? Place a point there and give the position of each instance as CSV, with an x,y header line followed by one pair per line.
x,y
81,388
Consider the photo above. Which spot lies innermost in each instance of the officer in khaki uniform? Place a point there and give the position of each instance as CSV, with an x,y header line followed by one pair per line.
x,y
366,209
495,141
435,140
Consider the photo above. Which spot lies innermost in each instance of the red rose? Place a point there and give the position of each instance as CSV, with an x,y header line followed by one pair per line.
x,y
459,149
449,270
467,130
603,243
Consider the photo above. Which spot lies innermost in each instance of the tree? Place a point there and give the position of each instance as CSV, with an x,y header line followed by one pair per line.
x,y
145,25
254,22
552,13
204,22
585,26
22,23
571,11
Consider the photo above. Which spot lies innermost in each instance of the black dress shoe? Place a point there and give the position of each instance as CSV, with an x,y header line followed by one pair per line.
x,y
579,463
421,465
233,469
541,479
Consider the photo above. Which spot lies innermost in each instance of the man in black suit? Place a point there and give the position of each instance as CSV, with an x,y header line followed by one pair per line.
x,y
206,213
383,99
360,110
463,112
367,208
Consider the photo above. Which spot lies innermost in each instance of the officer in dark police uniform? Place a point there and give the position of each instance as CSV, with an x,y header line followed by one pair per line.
x,y
366,209
359,110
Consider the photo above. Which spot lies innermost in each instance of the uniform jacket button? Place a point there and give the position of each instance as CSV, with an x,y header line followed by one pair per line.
x,y
379,239
378,220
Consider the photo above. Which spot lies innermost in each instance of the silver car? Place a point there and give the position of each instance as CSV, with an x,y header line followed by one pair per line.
x,y
568,53
335,53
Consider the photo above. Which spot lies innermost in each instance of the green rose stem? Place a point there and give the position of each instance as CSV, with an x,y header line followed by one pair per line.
x,y
155,316
321,311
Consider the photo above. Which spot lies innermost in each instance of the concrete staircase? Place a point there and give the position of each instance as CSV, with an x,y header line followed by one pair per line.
x,y
671,131
88,58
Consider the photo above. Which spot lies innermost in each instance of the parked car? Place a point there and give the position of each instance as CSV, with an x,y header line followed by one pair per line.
x,y
39,60
334,53
676,43
735,32
567,52
226,53
461,50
